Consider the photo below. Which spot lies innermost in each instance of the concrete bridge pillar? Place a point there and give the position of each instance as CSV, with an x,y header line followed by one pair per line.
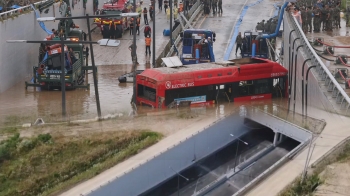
x,y
282,137
276,139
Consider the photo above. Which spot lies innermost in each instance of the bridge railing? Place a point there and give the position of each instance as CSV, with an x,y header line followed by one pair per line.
x,y
15,12
167,52
333,87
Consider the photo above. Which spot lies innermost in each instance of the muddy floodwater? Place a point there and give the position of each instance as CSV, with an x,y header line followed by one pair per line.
x,y
80,103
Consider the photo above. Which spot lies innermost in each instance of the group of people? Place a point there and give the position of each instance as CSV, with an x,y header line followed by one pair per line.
x,y
317,16
214,5
147,29
267,27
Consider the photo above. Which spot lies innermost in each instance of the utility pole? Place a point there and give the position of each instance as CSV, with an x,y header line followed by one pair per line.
x,y
63,80
154,35
171,23
94,70
134,59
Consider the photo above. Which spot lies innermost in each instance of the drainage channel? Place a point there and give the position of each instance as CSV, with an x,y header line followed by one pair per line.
x,y
216,174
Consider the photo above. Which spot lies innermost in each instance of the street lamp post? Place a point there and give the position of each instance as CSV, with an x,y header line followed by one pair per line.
x,y
171,23
178,180
63,81
154,36
94,74
234,169
134,55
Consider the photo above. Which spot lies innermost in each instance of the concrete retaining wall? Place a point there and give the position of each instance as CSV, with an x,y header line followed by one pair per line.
x,y
177,158
316,96
331,156
17,60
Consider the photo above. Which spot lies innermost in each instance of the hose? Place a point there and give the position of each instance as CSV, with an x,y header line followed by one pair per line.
x,y
342,62
324,57
331,45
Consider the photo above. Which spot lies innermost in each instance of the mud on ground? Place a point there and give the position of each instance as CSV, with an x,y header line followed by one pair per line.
x,y
166,123
336,180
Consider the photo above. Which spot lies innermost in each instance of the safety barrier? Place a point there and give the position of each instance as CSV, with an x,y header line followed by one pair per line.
x,y
15,12
333,87
327,158
193,12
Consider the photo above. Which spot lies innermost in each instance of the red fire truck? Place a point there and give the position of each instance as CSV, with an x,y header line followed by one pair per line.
x,y
109,8
244,79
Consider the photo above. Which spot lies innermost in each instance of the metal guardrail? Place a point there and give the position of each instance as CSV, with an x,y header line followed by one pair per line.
x,y
193,12
331,83
18,11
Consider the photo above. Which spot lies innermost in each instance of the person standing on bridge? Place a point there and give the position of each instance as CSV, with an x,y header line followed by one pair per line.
x,y
147,31
131,26
309,19
148,41
133,57
239,42
151,11
145,15
317,19
220,6
160,5
138,21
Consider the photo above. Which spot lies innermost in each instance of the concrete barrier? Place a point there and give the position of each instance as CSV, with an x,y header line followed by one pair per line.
x,y
267,172
183,154
194,12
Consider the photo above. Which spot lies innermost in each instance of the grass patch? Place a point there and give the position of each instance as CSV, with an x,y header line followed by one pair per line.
x,y
8,130
46,165
13,120
314,180
308,186
345,154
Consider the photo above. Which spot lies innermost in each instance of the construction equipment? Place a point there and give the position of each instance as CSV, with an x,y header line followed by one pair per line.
x,y
261,47
342,76
341,59
47,73
121,23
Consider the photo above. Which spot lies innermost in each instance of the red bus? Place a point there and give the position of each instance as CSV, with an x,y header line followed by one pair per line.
x,y
237,80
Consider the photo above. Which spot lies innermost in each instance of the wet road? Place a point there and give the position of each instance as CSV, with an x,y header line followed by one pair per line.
x,y
211,168
113,62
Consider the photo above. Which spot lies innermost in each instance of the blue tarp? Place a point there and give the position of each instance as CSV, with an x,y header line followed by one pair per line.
x,y
42,25
0,8
15,6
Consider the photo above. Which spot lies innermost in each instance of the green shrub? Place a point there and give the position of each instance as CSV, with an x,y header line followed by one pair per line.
x,y
44,138
4,153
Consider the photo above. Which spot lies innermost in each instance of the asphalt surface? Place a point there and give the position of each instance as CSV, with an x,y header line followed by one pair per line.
x,y
217,164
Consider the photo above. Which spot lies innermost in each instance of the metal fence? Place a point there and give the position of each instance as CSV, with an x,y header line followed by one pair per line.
x,y
333,87
15,12
193,12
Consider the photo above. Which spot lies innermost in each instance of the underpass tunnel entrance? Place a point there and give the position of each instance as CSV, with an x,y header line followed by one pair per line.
x,y
252,146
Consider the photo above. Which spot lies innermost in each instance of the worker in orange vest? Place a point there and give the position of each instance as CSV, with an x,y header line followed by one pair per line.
x,y
148,41
138,21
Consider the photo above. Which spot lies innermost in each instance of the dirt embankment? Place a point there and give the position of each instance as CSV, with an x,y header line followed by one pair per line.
x,y
336,180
